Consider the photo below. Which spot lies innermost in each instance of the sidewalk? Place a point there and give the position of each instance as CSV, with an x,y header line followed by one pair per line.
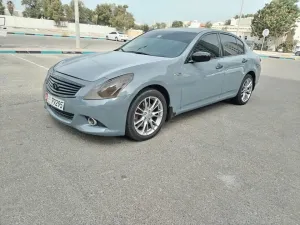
x,y
276,55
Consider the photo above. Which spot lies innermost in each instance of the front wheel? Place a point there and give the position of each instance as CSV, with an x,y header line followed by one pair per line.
x,y
245,91
146,115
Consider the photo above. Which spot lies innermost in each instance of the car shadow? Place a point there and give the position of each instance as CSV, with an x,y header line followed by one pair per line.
x,y
197,112
122,139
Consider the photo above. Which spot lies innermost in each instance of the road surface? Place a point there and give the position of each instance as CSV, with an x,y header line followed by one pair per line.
x,y
223,164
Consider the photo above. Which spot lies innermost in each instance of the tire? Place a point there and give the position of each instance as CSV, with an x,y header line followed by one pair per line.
x,y
240,98
106,37
116,39
297,54
149,123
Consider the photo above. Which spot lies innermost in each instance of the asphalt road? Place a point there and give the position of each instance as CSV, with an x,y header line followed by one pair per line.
x,y
223,164
19,41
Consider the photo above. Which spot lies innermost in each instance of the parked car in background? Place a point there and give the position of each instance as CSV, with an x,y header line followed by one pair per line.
x,y
134,89
117,36
297,50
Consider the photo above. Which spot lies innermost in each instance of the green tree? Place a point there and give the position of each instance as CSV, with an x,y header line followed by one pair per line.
x,y
279,17
208,24
56,11
2,8
83,16
177,23
104,14
10,7
33,8
89,13
145,27
158,25
122,19
227,22
68,12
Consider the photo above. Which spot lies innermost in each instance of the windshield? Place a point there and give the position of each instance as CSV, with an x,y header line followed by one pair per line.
x,y
163,43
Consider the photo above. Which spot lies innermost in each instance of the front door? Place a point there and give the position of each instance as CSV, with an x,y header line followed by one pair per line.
x,y
201,82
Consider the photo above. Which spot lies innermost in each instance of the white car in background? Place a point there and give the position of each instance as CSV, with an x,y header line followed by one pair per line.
x,y
117,36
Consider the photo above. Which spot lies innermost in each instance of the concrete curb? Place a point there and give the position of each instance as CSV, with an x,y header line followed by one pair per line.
x,y
279,57
54,35
56,52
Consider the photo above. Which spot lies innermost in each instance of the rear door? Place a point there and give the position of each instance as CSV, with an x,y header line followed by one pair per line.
x,y
234,61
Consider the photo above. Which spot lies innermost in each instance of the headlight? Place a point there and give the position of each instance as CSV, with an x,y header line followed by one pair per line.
x,y
110,89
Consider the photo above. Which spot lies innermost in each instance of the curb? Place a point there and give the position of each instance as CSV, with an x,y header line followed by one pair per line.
x,y
54,35
278,57
45,52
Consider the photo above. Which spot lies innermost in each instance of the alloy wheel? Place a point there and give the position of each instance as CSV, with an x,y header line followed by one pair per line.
x,y
148,116
247,89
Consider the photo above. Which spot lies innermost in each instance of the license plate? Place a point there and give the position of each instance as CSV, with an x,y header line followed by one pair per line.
x,y
55,102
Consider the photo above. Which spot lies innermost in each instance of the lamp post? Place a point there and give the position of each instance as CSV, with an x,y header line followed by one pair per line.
x,y
241,11
77,27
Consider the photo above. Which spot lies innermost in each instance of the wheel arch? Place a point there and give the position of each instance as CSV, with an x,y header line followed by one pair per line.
x,y
163,90
252,73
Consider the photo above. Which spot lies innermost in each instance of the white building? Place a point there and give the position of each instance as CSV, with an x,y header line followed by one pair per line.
x,y
245,32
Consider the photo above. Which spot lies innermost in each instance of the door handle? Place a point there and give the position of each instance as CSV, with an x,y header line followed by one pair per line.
x,y
244,61
219,66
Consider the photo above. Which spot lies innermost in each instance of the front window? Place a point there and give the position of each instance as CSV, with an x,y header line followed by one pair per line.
x,y
162,43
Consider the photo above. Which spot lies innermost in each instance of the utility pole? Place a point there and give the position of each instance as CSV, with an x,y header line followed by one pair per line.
x,y
77,27
241,11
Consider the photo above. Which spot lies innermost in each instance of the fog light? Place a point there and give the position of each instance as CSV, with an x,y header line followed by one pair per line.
x,y
92,121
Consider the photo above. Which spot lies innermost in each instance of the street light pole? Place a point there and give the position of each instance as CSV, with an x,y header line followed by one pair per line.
x,y
77,27
241,11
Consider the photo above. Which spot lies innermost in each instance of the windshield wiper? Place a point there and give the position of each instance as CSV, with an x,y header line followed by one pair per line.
x,y
136,52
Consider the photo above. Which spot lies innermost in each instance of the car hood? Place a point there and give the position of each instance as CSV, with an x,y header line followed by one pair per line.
x,y
95,66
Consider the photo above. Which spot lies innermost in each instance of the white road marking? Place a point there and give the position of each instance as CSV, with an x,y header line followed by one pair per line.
x,y
30,62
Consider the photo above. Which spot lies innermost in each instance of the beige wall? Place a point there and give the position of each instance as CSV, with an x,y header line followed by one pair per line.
x,y
134,33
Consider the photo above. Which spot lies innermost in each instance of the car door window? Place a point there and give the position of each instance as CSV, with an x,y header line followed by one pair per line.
x,y
230,46
241,47
209,43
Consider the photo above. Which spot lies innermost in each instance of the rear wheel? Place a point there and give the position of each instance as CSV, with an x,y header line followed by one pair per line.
x,y
245,91
106,37
116,39
297,53
146,115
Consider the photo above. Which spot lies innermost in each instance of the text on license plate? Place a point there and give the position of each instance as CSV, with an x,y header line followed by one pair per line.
x,y
55,102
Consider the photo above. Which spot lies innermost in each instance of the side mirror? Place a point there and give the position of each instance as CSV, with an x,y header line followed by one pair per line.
x,y
201,56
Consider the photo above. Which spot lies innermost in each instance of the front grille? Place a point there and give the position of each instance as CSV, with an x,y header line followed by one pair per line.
x,y
61,113
62,88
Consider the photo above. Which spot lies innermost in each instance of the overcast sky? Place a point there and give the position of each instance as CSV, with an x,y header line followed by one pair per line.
x,y
148,11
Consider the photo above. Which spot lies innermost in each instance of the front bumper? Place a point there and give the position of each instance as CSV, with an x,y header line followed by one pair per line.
x,y
111,114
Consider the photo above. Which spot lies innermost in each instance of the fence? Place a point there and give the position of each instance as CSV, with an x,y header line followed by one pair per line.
x,y
30,23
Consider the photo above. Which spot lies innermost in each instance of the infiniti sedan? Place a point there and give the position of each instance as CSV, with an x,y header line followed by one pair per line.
x,y
135,89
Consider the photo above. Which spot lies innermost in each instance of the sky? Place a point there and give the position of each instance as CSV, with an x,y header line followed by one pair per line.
x,y
150,11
